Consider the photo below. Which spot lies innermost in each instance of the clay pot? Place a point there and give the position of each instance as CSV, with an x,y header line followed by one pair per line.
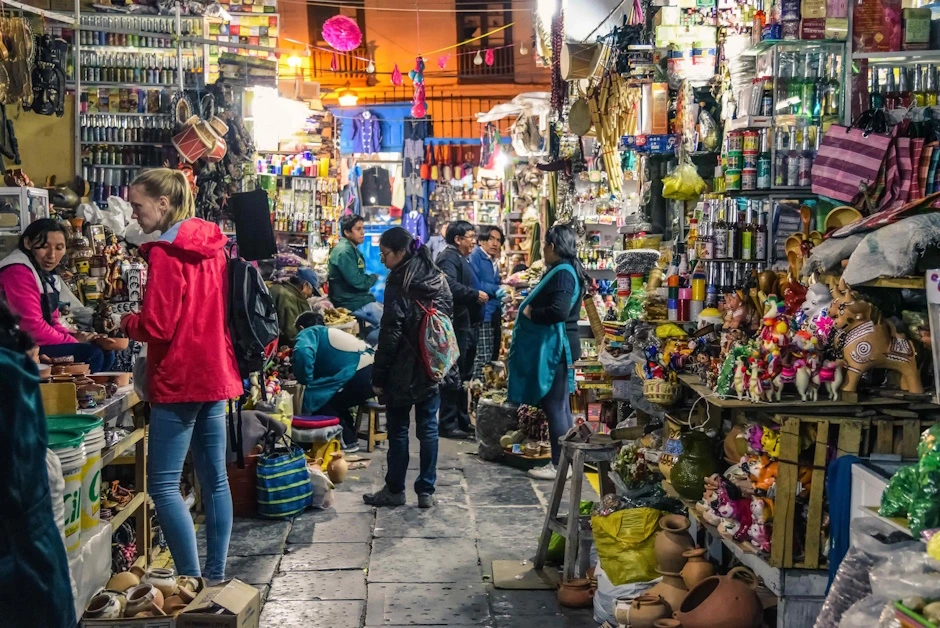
x,y
671,588
194,584
694,465
143,598
105,605
696,569
163,579
186,594
672,540
733,445
173,605
721,602
667,623
137,571
577,593
646,609
337,468
122,581
622,610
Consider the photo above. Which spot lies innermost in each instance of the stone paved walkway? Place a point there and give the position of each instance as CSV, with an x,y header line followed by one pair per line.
x,y
353,565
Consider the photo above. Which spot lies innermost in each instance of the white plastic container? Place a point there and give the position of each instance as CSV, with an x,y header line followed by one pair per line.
x,y
69,446
93,430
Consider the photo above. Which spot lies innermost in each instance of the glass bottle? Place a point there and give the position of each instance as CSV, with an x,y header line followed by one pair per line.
x,y
891,96
834,88
793,89
793,161
806,161
820,87
767,98
747,233
764,162
780,160
931,87
734,229
706,246
919,95
760,237
720,235
807,88
905,97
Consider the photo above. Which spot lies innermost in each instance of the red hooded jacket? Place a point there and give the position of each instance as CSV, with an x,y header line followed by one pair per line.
x,y
184,316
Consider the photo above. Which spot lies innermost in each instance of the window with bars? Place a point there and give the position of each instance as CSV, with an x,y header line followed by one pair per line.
x,y
474,19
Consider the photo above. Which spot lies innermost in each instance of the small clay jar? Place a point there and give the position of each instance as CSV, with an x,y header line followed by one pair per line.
x,y
672,540
697,568
646,609
577,593
173,605
163,579
671,588
105,605
338,468
143,598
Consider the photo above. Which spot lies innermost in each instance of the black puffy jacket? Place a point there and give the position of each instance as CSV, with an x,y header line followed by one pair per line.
x,y
398,368
456,267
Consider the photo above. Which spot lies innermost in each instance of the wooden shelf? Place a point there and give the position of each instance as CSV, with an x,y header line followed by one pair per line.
x,y
117,405
109,454
898,523
912,283
135,504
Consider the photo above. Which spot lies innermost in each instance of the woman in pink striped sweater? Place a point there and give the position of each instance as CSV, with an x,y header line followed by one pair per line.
x,y
31,288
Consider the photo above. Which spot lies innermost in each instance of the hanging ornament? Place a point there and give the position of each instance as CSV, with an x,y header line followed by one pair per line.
x,y
342,33
442,61
419,106
334,63
490,56
522,49
396,77
370,69
478,60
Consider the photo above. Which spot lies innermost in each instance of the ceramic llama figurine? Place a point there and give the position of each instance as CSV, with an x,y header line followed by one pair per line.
x,y
755,384
740,377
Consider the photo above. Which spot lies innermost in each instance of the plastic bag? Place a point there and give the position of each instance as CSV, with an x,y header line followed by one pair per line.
x,y
896,500
606,595
624,541
865,612
89,212
683,183
615,366
117,215
924,512
905,573
322,487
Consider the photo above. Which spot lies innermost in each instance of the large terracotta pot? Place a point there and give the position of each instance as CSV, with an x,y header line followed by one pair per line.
x,y
694,465
672,540
646,609
696,569
577,593
671,588
721,602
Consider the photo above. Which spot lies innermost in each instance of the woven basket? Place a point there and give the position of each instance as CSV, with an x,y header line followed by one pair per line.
x,y
660,391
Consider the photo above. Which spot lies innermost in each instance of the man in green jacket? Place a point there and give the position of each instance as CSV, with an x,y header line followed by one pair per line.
x,y
348,281
290,300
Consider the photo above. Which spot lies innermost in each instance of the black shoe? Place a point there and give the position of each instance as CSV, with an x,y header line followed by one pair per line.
x,y
455,434
425,500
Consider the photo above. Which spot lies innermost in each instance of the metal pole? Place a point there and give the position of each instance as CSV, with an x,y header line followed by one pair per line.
x,y
179,51
77,104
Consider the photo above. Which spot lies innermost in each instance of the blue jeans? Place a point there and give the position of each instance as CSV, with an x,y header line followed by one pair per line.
x,y
397,419
557,407
173,427
93,355
369,317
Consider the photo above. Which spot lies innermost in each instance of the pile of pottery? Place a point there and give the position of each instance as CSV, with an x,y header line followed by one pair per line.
x,y
690,595
138,593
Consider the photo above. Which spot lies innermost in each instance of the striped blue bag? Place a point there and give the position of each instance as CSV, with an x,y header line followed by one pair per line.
x,y
284,486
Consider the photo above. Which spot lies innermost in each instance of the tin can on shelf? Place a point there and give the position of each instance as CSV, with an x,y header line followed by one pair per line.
x,y
734,161
732,179
735,141
751,142
749,160
749,179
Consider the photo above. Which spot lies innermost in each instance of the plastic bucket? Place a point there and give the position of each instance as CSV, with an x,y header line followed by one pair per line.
x,y
69,446
93,430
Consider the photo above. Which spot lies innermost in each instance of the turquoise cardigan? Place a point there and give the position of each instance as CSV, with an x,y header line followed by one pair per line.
x,y
321,367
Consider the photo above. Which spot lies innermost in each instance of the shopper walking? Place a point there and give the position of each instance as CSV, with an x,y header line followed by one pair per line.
x,y
290,300
35,588
545,339
30,285
484,260
453,260
191,368
348,282
399,377
335,368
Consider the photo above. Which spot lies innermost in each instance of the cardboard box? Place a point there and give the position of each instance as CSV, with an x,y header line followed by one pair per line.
x,y
142,622
232,604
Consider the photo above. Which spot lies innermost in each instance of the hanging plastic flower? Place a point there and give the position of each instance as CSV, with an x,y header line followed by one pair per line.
x,y
478,60
419,106
396,77
342,33
334,63
490,56
442,61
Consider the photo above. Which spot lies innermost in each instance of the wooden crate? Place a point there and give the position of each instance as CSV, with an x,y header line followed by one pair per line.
x,y
847,436
896,431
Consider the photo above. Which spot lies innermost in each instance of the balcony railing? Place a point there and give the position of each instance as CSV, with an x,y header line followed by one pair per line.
x,y
349,65
502,70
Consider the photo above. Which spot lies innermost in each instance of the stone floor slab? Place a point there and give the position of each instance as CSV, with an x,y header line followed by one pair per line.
x,y
348,501
505,549
424,560
322,585
513,523
444,520
411,605
571,619
251,537
320,557
516,492
332,527
256,570
522,603
312,614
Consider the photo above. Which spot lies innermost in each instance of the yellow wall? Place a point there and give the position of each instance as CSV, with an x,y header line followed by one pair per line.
x,y
46,143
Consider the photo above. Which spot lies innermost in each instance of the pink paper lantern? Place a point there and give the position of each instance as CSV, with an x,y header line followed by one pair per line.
x,y
490,57
442,61
342,33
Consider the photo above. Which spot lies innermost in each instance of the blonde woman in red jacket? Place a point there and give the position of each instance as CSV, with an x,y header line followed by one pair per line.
x,y
191,368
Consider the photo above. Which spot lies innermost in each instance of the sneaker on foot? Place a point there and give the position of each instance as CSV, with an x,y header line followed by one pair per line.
x,y
455,434
548,472
350,449
384,497
425,500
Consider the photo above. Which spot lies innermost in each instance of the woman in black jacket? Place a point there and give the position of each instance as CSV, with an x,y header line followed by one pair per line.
x,y
398,375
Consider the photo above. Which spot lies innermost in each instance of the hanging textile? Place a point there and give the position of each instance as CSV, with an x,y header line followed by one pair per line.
x,y
367,135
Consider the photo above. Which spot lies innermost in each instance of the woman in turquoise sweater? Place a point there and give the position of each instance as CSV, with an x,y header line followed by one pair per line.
x,y
336,369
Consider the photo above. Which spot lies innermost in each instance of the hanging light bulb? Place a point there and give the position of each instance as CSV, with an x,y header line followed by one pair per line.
x,y
370,69
522,49
478,60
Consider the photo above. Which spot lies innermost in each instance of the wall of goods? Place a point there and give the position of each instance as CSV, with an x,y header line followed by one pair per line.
x,y
755,188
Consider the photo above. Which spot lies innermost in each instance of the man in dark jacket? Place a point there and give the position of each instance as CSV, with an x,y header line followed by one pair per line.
x,y
454,261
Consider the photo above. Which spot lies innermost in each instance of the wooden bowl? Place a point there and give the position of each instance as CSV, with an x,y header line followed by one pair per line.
x,y
112,377
78,368
113,344
842,216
